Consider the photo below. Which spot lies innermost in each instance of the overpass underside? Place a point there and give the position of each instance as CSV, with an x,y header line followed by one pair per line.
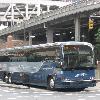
x,y
56,32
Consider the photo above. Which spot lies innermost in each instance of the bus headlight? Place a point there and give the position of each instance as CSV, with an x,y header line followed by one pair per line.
x,y
92,78
66,80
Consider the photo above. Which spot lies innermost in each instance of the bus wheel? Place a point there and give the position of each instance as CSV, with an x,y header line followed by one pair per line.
x,y
9,79
6,79
51,83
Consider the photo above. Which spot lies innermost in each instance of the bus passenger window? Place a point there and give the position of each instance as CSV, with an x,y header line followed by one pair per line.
x,y
4,59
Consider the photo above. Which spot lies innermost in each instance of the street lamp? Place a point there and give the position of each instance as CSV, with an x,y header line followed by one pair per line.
x,y
22,24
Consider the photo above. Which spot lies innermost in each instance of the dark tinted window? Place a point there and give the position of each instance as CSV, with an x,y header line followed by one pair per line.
x,y
4,59
43,54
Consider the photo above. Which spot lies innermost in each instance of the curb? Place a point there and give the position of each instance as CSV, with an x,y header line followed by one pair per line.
x,y
97,80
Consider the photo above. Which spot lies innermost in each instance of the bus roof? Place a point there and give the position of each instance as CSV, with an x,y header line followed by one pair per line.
x,y
46,45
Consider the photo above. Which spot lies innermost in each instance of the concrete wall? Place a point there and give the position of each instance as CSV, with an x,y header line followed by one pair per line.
x,y
98,71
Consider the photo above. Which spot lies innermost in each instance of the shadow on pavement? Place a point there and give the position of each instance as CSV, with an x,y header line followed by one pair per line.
x,y
58,90
14,86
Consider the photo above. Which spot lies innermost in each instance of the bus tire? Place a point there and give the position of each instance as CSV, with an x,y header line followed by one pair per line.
x,y
8,79
51,83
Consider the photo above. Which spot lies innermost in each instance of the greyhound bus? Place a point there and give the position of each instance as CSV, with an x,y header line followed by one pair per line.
x,y
53,65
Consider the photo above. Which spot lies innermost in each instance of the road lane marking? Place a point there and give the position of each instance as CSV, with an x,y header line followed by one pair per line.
x,y
6,91
69,94
91,96
98,90
24,92
97,94
15,93
82,91
26,96
12,98
80,96
19,96
82,99
1,95
36,92
46,94
92,91
12,89
35,96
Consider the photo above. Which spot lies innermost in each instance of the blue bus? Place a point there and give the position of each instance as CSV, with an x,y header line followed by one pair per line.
x,y
53,65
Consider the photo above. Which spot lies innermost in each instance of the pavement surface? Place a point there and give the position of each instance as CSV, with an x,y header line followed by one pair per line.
x,y
3,84
19,92
97,86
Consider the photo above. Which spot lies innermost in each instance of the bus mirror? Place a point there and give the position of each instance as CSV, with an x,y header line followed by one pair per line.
x,y
61,64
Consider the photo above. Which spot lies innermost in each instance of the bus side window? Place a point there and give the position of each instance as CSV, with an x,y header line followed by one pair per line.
x,y
4,59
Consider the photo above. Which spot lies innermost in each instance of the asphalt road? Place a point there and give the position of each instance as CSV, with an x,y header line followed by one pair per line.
x,y
19,92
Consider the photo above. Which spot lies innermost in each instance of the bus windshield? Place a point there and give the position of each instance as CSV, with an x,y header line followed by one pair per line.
x,y
78,56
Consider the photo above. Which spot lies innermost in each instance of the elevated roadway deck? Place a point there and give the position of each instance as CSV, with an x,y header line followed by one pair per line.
x,y
70,10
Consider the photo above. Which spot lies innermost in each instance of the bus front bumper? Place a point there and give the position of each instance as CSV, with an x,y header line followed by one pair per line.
x,y
76,84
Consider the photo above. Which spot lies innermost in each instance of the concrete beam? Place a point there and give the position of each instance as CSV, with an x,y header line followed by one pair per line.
x,y
46,2
65,11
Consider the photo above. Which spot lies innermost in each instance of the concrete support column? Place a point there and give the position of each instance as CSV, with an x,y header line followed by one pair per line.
x,y
77,28
26,7
9,41
48,8
30,39
12,14
49,35
38,9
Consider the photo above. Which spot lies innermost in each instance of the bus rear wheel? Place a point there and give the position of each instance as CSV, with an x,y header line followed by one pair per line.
x,y
51,83
8,79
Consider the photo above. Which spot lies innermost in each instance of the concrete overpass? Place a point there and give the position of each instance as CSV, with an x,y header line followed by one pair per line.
x,y
48,20
18,10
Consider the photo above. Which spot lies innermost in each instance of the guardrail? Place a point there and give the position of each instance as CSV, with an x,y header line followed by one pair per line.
x,y
50,15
